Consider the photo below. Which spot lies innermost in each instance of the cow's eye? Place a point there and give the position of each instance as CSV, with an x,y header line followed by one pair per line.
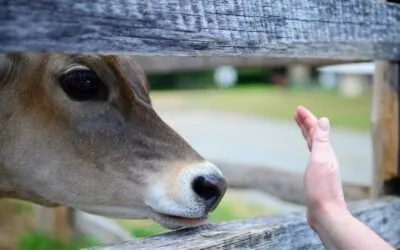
x,y
83,85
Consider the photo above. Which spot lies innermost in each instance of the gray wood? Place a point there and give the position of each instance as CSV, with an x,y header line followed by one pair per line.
x,y
385,121
361,29
283,185
281,232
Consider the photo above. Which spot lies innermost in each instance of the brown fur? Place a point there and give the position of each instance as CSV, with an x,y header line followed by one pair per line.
x,y
95,156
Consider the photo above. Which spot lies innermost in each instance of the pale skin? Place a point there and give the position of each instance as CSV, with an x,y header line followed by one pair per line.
x,y
327,213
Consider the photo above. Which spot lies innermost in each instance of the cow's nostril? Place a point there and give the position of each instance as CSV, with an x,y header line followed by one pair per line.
x,y
211,189
205,188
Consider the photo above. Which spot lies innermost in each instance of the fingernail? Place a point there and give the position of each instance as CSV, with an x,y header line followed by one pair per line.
x,y
323,123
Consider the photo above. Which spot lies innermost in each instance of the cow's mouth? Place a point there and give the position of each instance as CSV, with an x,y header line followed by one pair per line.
x,y
176,222
165,220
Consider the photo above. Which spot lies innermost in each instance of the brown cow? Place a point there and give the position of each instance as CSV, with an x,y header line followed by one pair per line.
x,y
80,131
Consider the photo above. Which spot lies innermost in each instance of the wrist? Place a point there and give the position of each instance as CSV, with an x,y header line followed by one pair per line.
x,y
328,216
339,229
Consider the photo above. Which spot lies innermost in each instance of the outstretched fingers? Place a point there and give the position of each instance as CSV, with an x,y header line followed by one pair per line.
x,y
306,122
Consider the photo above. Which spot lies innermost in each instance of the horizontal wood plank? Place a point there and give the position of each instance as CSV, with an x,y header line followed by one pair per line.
x,y
282,232
347,29
283,185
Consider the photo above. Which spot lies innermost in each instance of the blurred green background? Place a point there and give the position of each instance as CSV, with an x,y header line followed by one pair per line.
x,y
254,94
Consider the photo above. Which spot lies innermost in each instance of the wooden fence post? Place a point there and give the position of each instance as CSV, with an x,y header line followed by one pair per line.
x,y
385,129
55,222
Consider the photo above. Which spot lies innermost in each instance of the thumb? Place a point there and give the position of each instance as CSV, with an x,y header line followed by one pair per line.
x,y
321,150
320,136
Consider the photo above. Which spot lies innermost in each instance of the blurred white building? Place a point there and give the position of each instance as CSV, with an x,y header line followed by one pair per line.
x,y
225,76
351,80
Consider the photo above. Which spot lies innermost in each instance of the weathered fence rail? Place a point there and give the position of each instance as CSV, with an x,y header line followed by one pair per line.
x,y
281,232
334,29
360,29
283,185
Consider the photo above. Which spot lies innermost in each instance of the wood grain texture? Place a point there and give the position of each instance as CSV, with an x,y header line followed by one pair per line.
x,y
282,232
283,185
385,128
348,29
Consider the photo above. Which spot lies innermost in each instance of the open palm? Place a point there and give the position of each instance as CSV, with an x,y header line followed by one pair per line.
x,y
322,181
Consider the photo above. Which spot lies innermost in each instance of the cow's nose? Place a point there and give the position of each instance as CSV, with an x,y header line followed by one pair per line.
x,y
211,189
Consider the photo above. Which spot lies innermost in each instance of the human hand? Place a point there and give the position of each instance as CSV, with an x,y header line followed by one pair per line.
x,y
322,181
327,212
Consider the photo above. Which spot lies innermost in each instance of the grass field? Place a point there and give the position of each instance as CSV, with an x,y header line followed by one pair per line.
x,y
277,103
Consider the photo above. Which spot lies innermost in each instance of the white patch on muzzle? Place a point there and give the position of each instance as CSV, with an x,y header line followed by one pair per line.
x,y
174,195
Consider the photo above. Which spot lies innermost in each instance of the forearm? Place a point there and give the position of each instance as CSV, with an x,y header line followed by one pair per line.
x,y
343,231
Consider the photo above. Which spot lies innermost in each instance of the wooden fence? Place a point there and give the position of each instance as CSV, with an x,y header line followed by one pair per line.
x,y
334,29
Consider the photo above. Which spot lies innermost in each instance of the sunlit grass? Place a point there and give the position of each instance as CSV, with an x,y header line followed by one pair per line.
x,y
38,241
